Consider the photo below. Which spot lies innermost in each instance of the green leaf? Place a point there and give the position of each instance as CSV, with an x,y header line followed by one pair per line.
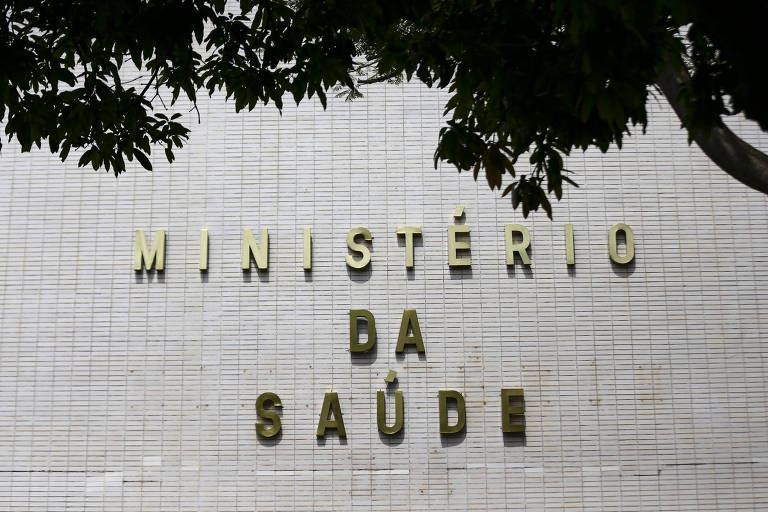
x,y
65,151
143,160
85,158
96,160
545,203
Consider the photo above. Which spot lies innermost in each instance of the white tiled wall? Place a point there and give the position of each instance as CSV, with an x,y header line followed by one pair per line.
x,y
645,386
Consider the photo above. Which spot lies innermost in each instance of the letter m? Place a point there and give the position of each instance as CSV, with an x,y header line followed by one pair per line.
x,y
148,257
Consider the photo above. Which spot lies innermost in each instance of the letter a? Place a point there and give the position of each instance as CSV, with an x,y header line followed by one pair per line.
x,y
410,323
331,405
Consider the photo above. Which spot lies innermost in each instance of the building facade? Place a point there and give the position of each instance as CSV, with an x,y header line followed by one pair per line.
x,y
644,383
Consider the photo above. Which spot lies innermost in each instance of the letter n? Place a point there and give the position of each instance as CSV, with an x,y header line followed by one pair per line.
x,y
260,252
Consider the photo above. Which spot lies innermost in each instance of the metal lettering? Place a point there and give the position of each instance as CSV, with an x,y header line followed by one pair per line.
x,y
358,247
613,250
155,255
260,252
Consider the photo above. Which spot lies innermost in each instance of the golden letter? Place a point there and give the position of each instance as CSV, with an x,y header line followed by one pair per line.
x,y
510,412
613,250
570,253
381,413
410,322
354,337
155,256
357,247
307,249
260,252
512,247
454,246
268,430
331,405
461,420
203,249
408,231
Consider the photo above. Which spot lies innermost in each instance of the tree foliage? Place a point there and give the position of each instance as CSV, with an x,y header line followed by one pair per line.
x,y
533,79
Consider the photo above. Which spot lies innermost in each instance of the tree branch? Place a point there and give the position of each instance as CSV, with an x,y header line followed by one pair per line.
x,y
151,79
381,78
726,149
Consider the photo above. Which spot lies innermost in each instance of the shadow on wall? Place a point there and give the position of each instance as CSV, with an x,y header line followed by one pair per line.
x,y
460,273
447,440
360,275
151,276
623,270
271,441
322,440
514,439
263,275
392,439
364,358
